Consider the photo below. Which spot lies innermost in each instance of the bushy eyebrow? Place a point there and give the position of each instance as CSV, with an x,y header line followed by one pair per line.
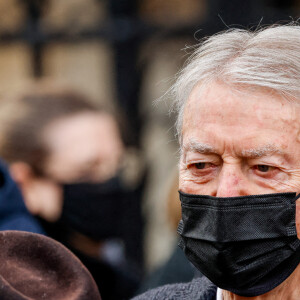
x,y
262,151
194,146
203,148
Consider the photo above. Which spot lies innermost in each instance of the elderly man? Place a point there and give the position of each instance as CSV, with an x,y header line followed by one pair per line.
x,y
238,100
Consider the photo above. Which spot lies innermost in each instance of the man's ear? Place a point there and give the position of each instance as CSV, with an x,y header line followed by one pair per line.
x,y
21,173
298,218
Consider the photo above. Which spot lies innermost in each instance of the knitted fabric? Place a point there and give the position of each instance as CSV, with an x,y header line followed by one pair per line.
x,y
197,289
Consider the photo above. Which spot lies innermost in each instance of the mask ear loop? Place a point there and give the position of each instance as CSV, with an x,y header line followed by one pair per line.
x,y
295,245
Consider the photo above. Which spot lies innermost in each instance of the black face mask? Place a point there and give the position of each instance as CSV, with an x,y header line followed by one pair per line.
x,y
94,209
247,245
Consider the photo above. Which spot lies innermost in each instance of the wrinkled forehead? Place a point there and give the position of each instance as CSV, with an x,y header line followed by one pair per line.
x,y
221,108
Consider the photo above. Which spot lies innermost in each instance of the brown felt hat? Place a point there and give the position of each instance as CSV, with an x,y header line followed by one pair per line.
x,y
33,266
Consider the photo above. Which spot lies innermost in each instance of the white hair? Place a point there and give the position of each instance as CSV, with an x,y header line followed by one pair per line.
x,y
268,58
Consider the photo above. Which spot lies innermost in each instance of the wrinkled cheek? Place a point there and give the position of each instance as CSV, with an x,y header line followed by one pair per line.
x,y
298,218
187,185
194,186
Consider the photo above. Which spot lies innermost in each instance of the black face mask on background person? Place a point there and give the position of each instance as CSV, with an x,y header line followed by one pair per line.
x,y
247,245
94,209
100,211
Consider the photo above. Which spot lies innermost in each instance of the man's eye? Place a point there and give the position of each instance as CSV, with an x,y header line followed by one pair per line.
x,y
263,168
200,166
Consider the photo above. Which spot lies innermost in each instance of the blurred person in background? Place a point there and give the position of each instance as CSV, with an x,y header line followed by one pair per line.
x,y
67,156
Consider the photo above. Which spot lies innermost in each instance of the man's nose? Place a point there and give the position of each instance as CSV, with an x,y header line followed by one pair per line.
x,y
231,182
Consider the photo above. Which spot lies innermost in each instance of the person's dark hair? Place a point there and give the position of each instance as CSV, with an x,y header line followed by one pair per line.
x,y
26,117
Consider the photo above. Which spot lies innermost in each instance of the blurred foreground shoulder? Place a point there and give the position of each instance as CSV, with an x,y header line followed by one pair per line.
x,y
197,289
